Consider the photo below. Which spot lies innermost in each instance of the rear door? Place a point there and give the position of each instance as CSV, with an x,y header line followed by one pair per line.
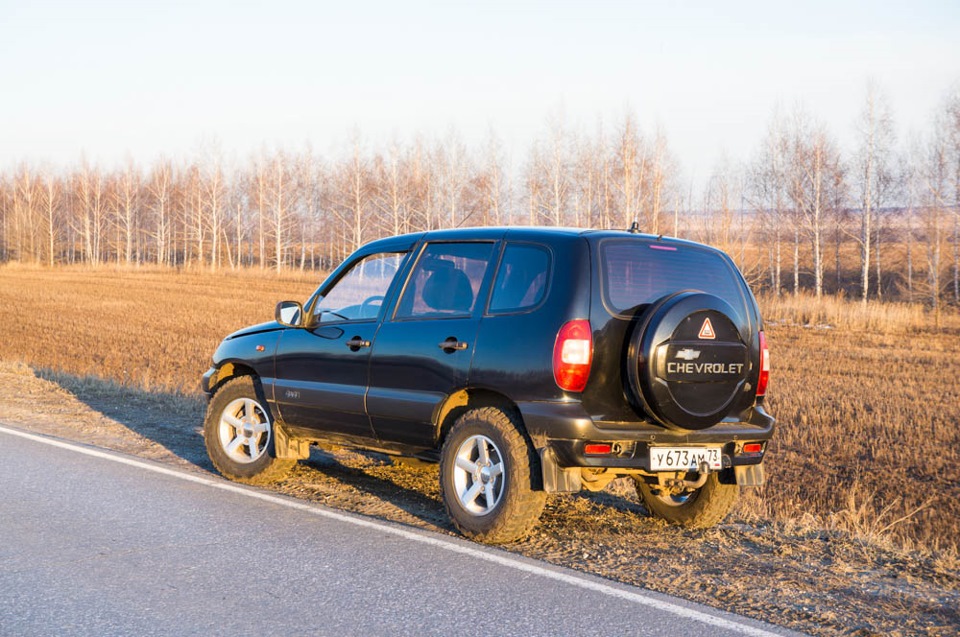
x,y
423,352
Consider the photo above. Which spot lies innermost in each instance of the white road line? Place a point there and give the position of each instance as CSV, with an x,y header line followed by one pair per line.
x,y
432,540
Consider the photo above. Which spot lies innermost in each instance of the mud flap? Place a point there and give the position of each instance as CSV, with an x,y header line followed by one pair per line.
x,y
750,475
286,447
556,479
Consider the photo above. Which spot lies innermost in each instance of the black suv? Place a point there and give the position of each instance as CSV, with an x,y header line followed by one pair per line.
x,y
525,361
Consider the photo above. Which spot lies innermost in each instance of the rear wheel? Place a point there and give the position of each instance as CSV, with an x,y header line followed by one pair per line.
x,y
239,434
486,470
697,509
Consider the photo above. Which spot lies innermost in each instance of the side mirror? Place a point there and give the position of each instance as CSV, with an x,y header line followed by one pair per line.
x,y
289,313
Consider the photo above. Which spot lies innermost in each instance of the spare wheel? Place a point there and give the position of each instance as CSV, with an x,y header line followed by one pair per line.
x,y
688,360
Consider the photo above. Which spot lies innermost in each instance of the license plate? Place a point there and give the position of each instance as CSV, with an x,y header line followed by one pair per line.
x,y
684,458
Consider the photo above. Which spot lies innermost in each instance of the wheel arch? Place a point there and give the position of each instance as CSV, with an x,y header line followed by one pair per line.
x,y
228,371
468,398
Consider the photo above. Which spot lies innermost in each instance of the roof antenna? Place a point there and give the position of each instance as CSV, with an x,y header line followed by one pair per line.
x,y
634,227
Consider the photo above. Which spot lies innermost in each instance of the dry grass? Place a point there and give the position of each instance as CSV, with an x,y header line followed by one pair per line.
x,y
868,410
868,438
144,328
831,312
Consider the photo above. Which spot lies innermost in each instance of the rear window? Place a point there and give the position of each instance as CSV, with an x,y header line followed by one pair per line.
x,y
638,273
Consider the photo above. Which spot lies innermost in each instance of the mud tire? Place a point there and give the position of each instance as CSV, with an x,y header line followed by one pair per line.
x,y
237,399
515,507
701,509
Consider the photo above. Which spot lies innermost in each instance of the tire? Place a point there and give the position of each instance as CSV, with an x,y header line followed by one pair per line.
x,y
239,434
688,363
701,509
487,469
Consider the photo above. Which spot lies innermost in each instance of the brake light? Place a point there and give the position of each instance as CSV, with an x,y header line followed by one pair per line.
x,y
573,355
764,379
752,447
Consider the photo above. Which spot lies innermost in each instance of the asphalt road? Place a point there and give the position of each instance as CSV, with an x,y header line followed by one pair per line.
x,y
97,543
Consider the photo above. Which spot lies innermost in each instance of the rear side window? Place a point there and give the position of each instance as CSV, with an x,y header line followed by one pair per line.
x,y
521,280
638,273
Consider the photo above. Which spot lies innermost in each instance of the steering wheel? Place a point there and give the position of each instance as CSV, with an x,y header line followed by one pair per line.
x,y
369,303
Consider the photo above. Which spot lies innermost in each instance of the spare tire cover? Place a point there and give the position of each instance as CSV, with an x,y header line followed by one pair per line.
x,y
688,360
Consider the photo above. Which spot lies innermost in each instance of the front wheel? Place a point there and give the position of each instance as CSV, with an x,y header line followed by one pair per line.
x,y
698,509
239,434
486,470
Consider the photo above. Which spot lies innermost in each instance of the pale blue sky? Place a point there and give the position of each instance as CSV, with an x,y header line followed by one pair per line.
x,y
107,79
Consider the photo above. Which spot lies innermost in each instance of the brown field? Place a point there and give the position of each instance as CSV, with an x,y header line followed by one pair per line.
x,y
868,399
857,528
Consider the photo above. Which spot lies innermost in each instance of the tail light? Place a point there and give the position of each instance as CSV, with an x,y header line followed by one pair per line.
x,y
573,355
764,379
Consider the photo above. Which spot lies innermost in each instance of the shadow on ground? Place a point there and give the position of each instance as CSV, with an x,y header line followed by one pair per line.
x,y
413,490
332,475
173,421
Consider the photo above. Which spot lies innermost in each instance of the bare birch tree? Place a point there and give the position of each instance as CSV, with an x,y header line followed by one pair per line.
x,y
873,161
951,124
815,162
631,173
768,193
935,201
51,198
159,189
91,209
661,173
454,172
27,214
494,187
351,198
280,200
125,197
391,191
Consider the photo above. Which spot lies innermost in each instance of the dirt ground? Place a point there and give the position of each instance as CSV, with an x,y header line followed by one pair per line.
x,y
808,579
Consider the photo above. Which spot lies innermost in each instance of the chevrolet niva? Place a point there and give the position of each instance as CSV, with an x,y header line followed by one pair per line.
x,y
526,361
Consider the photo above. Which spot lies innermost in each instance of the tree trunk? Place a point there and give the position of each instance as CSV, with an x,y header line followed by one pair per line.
x,y
879,271
910,254
796,261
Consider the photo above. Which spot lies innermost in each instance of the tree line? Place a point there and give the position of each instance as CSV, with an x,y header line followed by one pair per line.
x,y
880,219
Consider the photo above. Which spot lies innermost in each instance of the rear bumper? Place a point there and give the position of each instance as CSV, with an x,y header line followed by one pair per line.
x,y
564,428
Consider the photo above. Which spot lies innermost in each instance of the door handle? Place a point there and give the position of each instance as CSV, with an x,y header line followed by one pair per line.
x,y
356,343
452,345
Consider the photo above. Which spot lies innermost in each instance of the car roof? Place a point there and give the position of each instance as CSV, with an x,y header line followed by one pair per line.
x,y
493,233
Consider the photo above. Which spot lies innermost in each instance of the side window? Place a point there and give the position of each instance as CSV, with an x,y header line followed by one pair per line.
x,y
521,280
446,281
359,294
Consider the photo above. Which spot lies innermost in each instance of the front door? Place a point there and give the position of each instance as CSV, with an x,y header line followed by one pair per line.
x,y
322,370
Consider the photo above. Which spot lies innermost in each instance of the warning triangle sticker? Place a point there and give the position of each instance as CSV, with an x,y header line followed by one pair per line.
x,y
706,332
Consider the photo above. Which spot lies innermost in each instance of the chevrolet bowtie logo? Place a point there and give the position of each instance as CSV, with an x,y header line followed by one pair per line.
x,y
688,354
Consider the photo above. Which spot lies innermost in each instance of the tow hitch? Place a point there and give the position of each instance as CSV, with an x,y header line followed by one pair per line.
x,y
676,486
